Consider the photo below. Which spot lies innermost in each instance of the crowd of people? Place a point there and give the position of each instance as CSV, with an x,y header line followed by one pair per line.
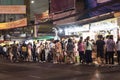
x,y
67,51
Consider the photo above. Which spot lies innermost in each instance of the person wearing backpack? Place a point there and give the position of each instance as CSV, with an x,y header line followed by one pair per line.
x,y
70,51
24,51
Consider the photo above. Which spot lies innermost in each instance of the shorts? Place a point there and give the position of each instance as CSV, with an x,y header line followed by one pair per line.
x,y
70,53
100,53
57,54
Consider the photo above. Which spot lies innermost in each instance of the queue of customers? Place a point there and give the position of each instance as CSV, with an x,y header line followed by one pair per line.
x,y
65,51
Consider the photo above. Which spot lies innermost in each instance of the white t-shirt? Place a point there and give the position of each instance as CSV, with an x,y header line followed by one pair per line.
x,y
89,47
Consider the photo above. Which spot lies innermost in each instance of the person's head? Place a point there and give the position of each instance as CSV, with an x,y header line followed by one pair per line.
x,y
88,38
33,42
69,40
14,42
107,36
56,41
81,38
100,36
37,41
111,37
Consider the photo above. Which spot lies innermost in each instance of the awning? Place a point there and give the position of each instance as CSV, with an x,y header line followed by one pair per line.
x,y
44,38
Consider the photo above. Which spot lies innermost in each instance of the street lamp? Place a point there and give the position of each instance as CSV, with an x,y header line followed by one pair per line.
x,y
32,1
33,22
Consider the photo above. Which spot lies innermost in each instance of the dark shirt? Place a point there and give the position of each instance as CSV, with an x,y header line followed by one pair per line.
x,y
14,48
100,44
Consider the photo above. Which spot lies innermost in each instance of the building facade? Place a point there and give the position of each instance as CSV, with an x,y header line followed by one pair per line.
x,y
13,17
4,18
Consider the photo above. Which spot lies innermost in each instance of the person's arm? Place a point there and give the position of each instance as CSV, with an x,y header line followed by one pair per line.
x,y
115,48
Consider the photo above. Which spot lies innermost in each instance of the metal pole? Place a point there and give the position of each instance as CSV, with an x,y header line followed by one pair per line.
x,y
35,28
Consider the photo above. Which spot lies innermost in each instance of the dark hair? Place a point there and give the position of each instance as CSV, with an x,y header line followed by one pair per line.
x,y
69,40
100,36
80,41
107,36
111,37
81,38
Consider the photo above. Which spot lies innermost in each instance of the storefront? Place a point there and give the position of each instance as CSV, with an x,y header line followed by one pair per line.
x,y
72,30
105,27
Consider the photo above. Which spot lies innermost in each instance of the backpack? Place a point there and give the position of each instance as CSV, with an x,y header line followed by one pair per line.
x,y
24,49
70,47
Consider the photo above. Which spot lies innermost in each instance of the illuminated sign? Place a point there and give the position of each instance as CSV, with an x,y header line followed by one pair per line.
x,y
14,24
104,25
70,29
12,9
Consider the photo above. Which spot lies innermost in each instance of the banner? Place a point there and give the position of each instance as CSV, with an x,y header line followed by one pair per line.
x,y
117,14
14,24
42,17
12,9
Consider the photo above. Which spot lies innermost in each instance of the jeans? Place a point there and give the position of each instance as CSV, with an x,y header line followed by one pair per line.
x,y
88,56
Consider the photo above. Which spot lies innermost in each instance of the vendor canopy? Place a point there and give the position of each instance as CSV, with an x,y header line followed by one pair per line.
x,y
12,9
44,38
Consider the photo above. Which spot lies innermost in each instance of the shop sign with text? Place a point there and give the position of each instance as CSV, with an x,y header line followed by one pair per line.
x,y
104,25
12,9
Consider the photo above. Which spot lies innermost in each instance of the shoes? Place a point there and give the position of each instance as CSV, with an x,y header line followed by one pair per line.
x,y
55,62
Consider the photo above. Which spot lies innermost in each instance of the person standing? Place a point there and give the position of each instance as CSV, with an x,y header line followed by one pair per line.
x,y
70,51
42,52
88,50
24,51
29,47
46,51
118,50
34,52
100,45
110,49
58,49
81,49
106,54
14,51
